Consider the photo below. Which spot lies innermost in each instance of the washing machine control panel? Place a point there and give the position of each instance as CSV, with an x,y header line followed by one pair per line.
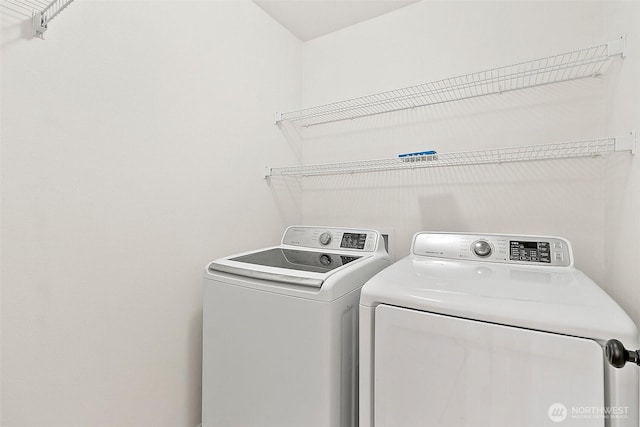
x,y
332,238
527,250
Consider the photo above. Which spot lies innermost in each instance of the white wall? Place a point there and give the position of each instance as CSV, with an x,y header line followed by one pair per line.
x,y
622,179
134,140
429,41
134,137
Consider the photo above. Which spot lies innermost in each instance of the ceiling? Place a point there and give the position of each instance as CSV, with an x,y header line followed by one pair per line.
x,y
308,19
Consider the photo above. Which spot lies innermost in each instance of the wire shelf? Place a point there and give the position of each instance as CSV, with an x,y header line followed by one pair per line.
x,y
587,148
573,65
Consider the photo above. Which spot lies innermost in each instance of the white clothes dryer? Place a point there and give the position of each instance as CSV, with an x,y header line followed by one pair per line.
x,y
280,330
475,330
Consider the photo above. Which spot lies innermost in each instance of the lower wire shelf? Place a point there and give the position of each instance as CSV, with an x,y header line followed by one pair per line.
x,y
585,148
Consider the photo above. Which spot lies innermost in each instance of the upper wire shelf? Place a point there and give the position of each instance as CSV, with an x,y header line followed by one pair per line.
x,y
573,65
585,148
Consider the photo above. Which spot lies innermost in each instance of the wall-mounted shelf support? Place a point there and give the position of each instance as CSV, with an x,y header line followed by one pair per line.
x,y
626,143
39,25
573,65
586,148
617,46
41,18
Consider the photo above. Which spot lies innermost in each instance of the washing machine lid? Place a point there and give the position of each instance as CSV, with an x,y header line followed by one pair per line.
x,y
297,260
554,299
286,265
307,255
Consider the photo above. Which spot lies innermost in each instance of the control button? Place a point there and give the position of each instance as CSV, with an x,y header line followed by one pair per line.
x,y
481,248
557,245
325,238
325,260
557,256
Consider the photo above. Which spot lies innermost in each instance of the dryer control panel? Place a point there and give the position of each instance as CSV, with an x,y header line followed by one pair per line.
x,y
511,249
332,238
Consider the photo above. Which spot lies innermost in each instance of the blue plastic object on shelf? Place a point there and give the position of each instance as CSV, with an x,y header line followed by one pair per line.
x,y
419,156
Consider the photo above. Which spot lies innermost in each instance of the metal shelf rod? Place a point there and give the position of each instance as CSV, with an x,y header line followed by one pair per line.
x,y
585,148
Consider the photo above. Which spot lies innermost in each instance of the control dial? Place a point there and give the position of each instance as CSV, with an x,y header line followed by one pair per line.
x,y
325,260
481,248
325,238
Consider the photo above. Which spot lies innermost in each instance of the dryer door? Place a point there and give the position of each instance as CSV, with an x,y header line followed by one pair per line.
x,y
435,370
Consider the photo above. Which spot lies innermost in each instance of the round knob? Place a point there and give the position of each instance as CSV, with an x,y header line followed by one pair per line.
x,y
482,248
616,353
325,238
325,260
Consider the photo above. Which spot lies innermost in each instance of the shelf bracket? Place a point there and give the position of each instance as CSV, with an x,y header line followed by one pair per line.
x,y
38,25
626,142
618,46
278,118
267,172
40,19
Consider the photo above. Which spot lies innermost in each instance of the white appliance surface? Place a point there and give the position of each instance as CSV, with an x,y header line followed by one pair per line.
x,y
308,256
491,330
486,374
280,330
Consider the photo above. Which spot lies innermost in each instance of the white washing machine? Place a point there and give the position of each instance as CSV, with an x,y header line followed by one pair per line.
x,y
478,330
280,330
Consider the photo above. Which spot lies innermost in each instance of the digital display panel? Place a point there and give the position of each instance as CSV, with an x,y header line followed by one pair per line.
x,y
353,240
529,251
